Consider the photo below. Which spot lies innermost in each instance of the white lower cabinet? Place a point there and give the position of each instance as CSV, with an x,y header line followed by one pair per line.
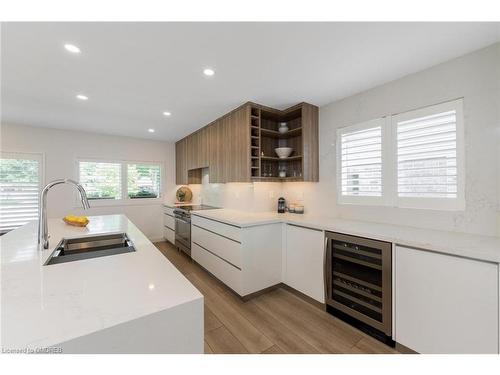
x,y
247,260
224,271
222,247
169,235
445,304
303,268
169,225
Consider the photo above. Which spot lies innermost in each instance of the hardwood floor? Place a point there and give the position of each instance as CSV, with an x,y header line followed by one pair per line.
x,y
277,322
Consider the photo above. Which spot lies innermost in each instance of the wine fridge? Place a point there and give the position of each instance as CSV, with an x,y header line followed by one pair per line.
x,y
358,283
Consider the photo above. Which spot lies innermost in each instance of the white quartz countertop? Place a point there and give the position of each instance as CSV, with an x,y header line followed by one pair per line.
x,y
485,248
47,305
177,204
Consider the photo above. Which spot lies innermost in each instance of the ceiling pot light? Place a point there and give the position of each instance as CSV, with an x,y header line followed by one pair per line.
x,y
151,130
82,97
167,113
208,72
72,48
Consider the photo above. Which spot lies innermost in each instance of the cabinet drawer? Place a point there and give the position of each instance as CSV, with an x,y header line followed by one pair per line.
x,y
224,247
169,221
225,230
228,274
168,211
169,235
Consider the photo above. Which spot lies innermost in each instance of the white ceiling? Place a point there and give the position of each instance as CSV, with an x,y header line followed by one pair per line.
x,y
132,72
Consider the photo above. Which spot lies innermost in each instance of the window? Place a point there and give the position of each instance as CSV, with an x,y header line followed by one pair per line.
x,y
109,181
143,181
414,159
429,157
20,181
101,180
360,156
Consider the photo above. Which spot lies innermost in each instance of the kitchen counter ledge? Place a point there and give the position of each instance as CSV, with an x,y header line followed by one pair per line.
x,y
484,248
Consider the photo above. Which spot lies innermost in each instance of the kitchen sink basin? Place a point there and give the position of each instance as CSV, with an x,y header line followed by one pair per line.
x,y
73,249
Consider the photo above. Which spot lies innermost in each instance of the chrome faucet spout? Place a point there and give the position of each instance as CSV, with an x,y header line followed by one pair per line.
x,y
43,231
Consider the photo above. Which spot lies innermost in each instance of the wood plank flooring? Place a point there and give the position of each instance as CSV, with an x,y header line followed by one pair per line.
x,y
277,322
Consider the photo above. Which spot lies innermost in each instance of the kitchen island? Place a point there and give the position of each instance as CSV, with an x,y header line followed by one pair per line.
x,y
136,302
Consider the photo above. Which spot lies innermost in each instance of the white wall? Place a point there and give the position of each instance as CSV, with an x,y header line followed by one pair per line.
x,y
255,197
61,148
476,78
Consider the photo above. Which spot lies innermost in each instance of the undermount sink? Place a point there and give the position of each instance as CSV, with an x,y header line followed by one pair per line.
x,y
73,249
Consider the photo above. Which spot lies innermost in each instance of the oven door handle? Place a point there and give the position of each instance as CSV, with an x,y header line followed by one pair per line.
x,y
185,221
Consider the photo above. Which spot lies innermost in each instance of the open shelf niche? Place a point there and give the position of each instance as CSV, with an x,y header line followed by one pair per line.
x,y
270,164
255,149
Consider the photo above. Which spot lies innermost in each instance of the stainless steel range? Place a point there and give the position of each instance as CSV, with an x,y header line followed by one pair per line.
x,y
182,215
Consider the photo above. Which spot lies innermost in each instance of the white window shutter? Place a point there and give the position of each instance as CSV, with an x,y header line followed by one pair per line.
x,y
429,157
360,156
20,180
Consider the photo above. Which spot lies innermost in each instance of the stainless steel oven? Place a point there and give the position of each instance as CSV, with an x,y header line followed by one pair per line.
x,y
183,230
358,283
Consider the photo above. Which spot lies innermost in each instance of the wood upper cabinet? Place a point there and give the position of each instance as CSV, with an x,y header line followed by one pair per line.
x,y
181,170
204,148
217,172
198,149
239,146
237,149
310,142
193,151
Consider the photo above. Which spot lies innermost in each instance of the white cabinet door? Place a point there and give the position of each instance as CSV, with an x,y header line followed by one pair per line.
x,y
304,261
445,304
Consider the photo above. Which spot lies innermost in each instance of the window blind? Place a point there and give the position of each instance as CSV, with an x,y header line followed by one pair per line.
x,y
361,162
427,156
101,180
19,190
143,181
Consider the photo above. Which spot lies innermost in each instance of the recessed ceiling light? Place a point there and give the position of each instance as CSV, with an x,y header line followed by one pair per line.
x,y
72,48
167,113
151,130
208,72
82,97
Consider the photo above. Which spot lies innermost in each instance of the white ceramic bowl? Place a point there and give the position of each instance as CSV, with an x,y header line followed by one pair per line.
x,y
283,152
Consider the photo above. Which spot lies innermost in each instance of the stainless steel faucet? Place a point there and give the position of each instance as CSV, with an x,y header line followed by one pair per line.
x,y
43,231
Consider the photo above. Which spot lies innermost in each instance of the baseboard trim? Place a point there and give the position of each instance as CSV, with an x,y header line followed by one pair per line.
x,y
155,240
261,292
304,297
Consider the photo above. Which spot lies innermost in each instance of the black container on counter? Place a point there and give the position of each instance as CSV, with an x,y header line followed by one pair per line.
x,y
281,205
